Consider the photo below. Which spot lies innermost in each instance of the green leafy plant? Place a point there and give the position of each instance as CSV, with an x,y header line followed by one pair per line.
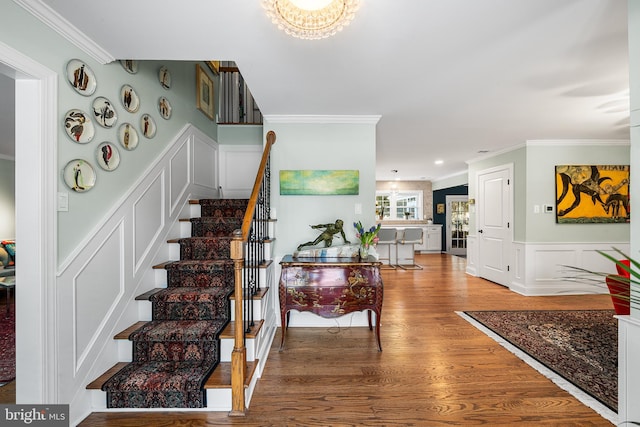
x,y
369,237
631,278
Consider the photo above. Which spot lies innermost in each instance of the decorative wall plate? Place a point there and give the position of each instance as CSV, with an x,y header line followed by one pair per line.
x,y
130,65
79,175
108,156
164,107
148,126
128,136
104,112
165,77
129,98
81,77
79,126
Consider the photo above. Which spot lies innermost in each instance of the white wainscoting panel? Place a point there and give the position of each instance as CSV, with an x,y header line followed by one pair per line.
x,y
472,255
96,289
545,270
205,155
180,175
148,219
236,182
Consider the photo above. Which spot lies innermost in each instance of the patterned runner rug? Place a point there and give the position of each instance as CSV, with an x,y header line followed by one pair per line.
x,y
579,345
7,346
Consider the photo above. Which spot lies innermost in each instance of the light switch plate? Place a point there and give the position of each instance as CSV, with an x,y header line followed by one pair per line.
x,y
63,202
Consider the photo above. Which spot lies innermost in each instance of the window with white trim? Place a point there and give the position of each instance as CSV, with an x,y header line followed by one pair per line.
x,y
393,205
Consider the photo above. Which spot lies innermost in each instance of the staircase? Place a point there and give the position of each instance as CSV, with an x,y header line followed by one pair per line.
x,y
190,352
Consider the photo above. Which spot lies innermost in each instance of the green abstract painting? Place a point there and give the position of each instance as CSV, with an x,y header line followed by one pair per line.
x,y
319,182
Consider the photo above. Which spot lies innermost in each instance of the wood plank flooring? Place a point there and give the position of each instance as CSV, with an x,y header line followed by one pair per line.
x,y
435,368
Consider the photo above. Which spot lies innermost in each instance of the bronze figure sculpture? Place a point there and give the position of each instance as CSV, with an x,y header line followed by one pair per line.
x,y
327,235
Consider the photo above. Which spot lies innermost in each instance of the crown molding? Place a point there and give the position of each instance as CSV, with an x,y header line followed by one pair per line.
x,y
60,25
575,142
323,119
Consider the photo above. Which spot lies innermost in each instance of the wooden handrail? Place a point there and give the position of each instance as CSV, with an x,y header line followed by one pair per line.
x,y
248,215
240,239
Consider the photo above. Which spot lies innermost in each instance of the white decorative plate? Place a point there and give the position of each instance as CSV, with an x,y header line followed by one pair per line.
x,y
129,98
128,136
79,175
165,77
147,126
79,126
81,77
130,65
164,107
108,156
104,112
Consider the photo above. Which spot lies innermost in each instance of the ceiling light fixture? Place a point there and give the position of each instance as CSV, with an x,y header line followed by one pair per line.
x,y
311,19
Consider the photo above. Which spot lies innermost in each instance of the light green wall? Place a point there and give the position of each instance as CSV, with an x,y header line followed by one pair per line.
x,y
534,184
541,160
7,199
28,35
321,146
240,135
516,157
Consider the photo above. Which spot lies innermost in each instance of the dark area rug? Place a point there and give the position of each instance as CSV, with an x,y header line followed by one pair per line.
x,y
579,345
7,345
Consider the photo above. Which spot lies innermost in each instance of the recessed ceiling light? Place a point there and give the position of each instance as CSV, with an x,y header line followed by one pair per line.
x,y
439,162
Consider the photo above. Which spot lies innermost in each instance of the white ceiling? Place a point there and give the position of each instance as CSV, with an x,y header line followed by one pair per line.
x,y
450,78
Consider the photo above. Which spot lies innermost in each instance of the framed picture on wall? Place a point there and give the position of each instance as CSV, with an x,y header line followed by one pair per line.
x,y
204,92
214,66
592,194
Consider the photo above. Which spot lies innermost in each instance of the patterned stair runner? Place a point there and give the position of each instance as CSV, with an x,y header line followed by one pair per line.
x,y
174,354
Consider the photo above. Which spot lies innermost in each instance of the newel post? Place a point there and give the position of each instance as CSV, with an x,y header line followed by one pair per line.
x,y
239,354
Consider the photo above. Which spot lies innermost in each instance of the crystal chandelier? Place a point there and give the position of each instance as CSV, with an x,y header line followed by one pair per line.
x,y
311,19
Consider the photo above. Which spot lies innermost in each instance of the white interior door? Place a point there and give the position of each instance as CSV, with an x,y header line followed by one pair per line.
x,y
494,223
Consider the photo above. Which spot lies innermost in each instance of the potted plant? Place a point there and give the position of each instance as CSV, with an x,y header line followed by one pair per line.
x,y
619,285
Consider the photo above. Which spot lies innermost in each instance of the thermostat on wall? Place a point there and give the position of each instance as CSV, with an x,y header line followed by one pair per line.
x,y
548,208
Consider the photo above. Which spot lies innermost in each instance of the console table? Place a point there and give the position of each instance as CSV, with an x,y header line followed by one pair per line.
x,y
330,287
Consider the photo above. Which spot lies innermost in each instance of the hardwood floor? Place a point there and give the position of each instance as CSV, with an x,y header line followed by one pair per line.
x,y
435,368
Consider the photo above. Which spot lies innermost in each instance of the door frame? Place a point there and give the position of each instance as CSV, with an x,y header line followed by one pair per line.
x,y
506,281
447,229
36,109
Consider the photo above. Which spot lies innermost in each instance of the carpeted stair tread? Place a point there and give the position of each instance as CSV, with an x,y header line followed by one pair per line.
x,y
205,248
175,353
231,208
192,303
179,330
159,385
204,263
190,294
212,226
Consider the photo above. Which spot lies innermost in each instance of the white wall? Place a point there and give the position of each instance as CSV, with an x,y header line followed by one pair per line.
x,y
321,143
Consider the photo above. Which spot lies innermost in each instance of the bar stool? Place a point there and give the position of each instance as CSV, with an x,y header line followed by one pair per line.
x,y
386,237
410,238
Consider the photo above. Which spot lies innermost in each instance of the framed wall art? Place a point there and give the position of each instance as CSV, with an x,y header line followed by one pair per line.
x,y
587,194
319,182
214,66
204,92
